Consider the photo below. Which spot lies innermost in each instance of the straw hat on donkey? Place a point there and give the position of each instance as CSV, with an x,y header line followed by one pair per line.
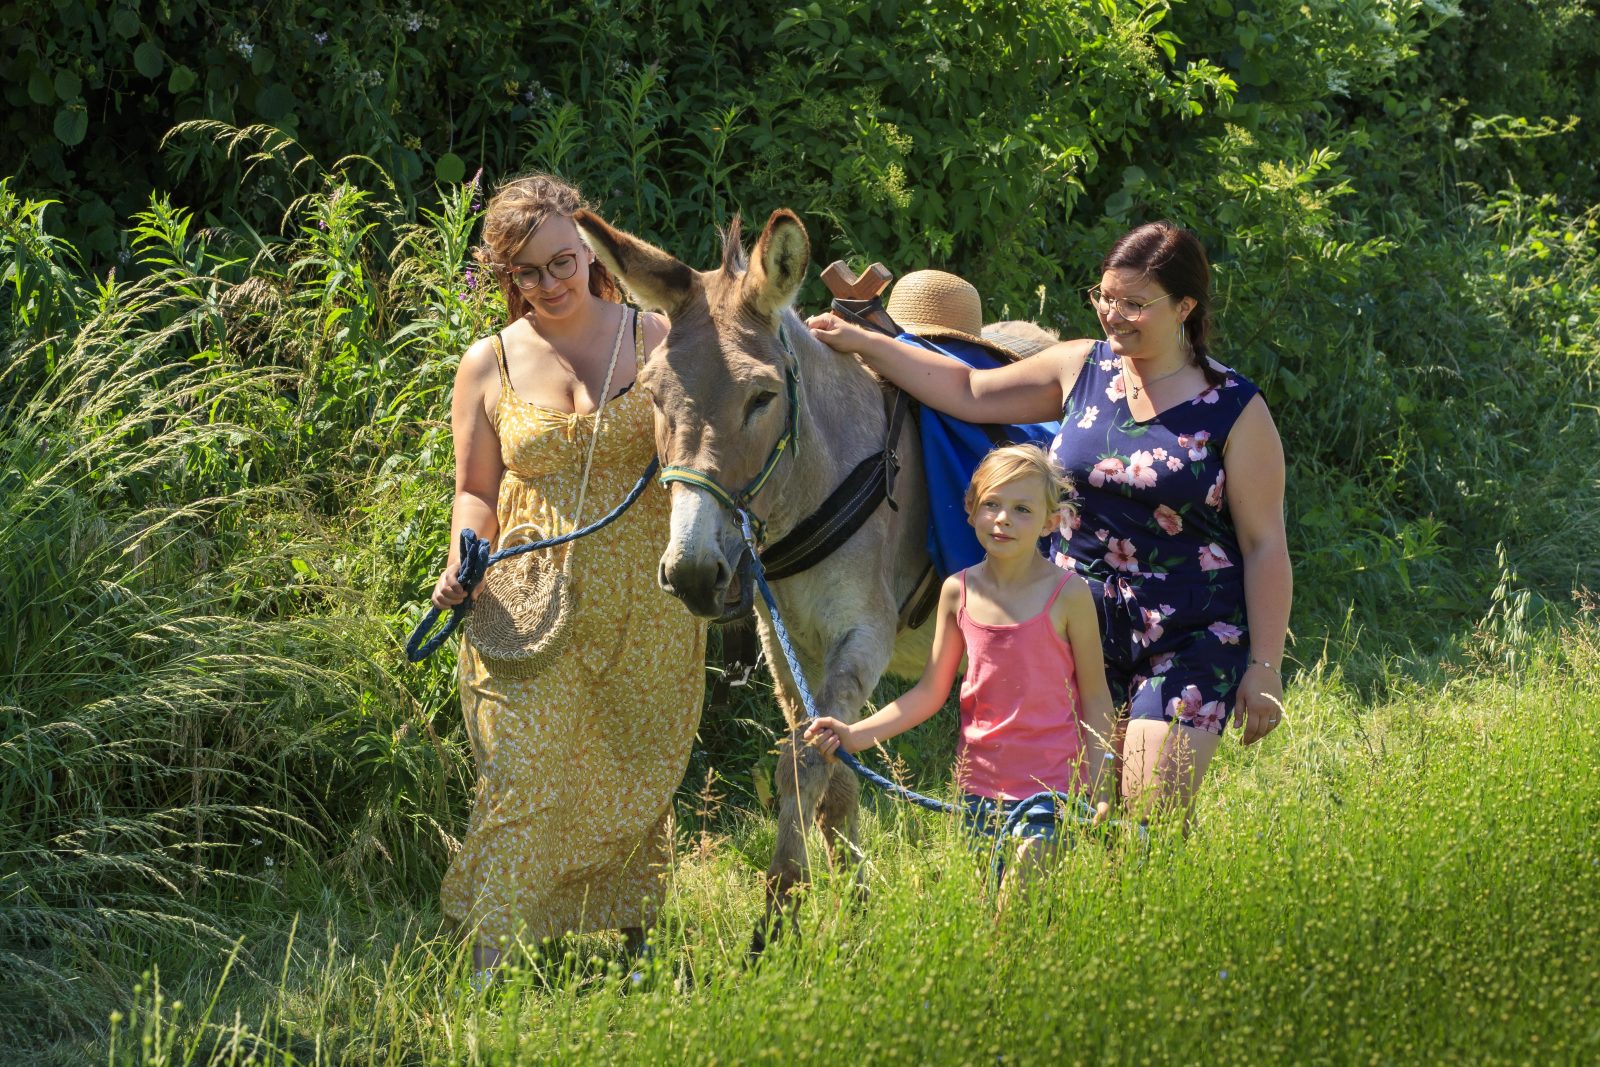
x,y
938,305
944,310
1020,337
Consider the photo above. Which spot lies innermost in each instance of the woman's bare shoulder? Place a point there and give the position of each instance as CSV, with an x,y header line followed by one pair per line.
x,y
1066,360
480,365
655,329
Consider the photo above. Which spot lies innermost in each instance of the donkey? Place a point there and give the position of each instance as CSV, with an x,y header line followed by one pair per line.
x,y
721,400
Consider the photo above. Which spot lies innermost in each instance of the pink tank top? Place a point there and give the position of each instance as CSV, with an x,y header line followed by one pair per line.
x,y
1019,707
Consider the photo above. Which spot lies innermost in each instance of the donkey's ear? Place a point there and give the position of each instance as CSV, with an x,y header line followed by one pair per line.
x,y
659,280
779,264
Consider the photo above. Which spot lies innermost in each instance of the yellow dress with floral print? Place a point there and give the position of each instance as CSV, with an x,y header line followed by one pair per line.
x,y
578,766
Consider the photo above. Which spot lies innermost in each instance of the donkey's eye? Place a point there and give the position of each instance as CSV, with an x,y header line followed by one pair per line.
x,y
758,404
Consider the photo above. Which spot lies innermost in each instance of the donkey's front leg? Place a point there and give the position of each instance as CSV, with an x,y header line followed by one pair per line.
x,y
862,654
807,785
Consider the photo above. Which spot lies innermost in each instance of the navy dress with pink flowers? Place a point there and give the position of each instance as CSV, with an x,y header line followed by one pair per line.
x,y
1154,539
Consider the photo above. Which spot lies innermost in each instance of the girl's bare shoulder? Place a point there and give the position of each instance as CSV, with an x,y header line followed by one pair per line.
x,y
1076,596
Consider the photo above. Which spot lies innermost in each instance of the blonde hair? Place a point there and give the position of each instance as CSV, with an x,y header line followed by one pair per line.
x,y
517,209
1010,463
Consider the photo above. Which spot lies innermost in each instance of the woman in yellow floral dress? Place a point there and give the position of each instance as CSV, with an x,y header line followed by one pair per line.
x,y
577,766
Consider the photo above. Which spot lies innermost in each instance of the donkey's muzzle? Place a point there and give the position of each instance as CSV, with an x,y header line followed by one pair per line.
x,y
738,600
701,585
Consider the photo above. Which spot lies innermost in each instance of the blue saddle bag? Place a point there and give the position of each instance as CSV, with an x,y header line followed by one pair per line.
x,y
951,451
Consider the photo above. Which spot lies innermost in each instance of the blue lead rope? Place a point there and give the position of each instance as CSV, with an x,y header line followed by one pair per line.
x,y
476,561
1013,820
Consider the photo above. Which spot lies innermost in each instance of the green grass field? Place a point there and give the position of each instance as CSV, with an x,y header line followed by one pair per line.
x,y
1412,879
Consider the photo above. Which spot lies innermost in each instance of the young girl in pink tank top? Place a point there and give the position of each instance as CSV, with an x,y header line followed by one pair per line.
x,y
1035,707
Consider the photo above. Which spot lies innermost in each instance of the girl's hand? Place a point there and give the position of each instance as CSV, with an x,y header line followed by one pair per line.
x,y
1102,812
1259,706
448,591
828,735
837,334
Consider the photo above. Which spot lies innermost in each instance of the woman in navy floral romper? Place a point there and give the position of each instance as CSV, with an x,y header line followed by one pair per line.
x,y
1159,548
1179,472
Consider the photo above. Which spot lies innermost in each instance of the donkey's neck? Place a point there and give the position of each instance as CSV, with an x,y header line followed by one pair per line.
x,y
841,421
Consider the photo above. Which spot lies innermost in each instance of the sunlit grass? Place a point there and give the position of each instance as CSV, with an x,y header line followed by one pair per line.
x,y
1418,883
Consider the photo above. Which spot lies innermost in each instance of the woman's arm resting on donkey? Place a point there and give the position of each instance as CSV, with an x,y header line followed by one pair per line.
x,y
1029,390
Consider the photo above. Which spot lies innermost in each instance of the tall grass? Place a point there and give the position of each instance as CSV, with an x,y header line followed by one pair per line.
x,y
192,690
1411,882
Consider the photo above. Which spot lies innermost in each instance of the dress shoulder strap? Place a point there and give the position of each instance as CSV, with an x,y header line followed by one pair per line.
x,y
964,587
1087,383
1062,584
500,357
638,339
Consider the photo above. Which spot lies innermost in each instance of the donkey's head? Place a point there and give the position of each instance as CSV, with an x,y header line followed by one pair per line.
x,y
720,386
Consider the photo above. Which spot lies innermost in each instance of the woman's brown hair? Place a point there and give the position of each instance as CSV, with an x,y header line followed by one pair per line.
x,y
515,211
1175,258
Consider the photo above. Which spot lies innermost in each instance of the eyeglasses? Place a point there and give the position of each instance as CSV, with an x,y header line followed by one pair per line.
x,y
528,276
1127,309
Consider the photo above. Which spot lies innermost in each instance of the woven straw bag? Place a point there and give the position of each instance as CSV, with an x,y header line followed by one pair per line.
x,y
521,619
